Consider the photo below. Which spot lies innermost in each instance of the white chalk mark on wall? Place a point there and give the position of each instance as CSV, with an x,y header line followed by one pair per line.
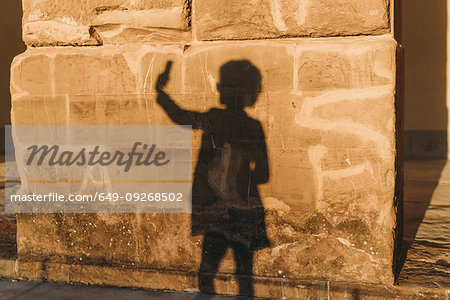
x,y
306,118
316,154
301,12
278,21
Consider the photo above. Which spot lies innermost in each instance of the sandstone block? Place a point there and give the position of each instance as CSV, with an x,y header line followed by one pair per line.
x,y
342,65
93,71
293,180
31,74
215,20
98,22
41,110
274,61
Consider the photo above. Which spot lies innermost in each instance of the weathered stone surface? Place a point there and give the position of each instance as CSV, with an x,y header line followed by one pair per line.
x,y
345,67
276,18
70,22
327,111
276,71
99,22
286,66
43,110
93,71
147,241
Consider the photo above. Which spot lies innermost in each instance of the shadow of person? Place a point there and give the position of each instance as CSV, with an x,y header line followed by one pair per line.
x,y
226,206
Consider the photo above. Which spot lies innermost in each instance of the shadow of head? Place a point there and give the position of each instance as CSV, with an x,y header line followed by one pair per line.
x,y
240,84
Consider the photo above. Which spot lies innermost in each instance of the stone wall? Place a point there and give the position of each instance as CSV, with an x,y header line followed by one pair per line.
x,y
327,108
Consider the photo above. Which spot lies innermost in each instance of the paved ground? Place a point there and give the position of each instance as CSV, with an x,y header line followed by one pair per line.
x,y
22,290
427,224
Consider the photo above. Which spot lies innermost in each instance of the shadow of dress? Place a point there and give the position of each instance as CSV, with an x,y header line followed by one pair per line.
x,y
231,163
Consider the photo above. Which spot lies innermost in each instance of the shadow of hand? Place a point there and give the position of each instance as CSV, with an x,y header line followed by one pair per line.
x,y
163,78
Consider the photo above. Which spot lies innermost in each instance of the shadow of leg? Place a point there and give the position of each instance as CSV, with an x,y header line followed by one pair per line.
x,y
214,248
244,268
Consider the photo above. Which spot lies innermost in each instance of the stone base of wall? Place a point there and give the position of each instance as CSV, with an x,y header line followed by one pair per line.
x,y
266,287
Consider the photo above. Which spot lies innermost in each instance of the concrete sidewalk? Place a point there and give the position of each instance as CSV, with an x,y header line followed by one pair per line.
x,y
43,290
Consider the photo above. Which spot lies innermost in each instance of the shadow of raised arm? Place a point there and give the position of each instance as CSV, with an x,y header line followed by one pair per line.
x,y
175,112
